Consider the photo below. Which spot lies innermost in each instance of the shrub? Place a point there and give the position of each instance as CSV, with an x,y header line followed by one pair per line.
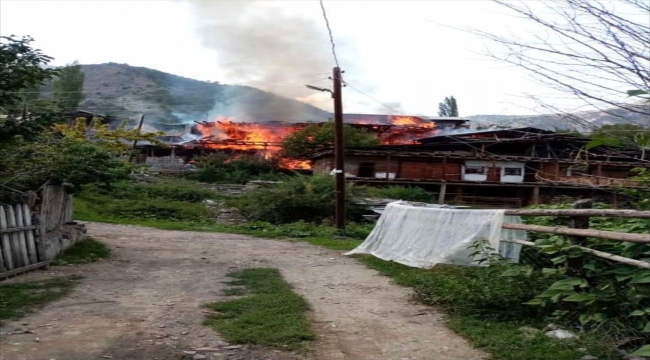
x,y
402,193
296,198
221,168
145,201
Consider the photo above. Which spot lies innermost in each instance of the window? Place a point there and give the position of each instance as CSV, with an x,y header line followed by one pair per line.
x,y
479,170
366,170
512,171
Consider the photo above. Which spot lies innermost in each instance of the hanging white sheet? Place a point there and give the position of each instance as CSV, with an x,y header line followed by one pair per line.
x,y
422,237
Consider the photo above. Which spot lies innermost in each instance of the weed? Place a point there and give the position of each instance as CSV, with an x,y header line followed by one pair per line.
x,y
272,315
86,251
18,299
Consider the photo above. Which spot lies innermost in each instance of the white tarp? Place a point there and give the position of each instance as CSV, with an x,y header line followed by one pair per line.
x,y
422,237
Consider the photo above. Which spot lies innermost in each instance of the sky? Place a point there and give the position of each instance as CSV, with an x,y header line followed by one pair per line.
x,y
398,56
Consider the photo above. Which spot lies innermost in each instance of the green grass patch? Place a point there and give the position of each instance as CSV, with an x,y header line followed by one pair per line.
x,y
18,299
488,310
84,252
271,315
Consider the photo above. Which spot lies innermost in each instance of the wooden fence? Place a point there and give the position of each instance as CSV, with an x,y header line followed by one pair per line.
x,y
31,237
578,229
20,246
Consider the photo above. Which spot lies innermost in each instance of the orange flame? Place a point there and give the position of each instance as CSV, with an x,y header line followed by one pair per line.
x,y
266,138
295,164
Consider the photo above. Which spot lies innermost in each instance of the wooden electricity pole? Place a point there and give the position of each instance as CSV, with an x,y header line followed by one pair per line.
x,y
338,154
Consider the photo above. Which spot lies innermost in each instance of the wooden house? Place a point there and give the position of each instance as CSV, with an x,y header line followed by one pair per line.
x,y
514,167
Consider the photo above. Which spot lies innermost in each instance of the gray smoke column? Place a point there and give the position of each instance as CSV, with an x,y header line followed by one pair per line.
x,y
265,46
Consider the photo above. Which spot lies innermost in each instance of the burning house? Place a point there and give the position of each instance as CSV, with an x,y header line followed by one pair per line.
x,y
265,138
514,167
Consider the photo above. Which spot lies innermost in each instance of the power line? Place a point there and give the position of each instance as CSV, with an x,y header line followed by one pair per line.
x,y
373,98
329,30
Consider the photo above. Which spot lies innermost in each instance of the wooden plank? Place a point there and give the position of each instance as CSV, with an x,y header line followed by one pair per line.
x,y
31,244
20,250
24,268
22,237
18,229
604,255
582,212
612,235
6,241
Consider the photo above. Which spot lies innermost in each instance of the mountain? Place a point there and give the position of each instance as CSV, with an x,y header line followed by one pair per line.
x,y
126,91
583,121
169,101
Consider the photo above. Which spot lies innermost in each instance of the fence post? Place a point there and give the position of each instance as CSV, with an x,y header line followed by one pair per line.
x,y
579,222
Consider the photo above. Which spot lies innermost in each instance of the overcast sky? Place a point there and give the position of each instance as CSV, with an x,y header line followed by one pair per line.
x,y
402,54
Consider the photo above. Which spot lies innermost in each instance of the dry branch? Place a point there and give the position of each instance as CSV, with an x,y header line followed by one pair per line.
x,y
604,255
612,235
582,212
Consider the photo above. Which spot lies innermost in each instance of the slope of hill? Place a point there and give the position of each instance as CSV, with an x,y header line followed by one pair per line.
x,y
584,121
125,91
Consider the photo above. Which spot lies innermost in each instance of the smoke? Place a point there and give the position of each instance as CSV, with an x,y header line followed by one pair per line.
x,y
262,45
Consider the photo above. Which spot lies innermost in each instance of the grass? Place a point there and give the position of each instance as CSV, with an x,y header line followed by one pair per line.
x,y
482,306
468,299
270,314
18,299
84,252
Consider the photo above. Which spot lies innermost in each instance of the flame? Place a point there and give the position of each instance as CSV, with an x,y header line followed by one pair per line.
x,y
295,164
265,139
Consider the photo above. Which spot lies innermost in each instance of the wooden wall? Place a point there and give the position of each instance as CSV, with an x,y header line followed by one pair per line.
x,y
430,170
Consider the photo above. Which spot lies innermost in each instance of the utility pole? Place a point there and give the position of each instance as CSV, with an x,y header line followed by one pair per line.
x,y
338,154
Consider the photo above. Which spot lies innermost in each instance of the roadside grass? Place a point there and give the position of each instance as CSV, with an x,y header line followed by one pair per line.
x,y
481,305
83,252
18,299
484,308
269,313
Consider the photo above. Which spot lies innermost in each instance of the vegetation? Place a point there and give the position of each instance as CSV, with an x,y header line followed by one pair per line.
x,y
21,67
406,193
221,168
270,313
18,299
628,135
296,198
68,86
84,252
448,108
590,292
148,202
488,309
315,137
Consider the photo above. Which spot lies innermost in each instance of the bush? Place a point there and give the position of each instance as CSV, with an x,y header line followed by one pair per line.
x,y
177,191
402,193
180,202
296,198
221,168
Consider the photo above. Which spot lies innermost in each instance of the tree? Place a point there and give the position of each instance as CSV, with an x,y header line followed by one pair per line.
x,y
591,50
22,72
448,108
21,67
320,136
68,86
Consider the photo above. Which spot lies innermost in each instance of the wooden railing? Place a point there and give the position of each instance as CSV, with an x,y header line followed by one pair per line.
x,y
578,229
585,179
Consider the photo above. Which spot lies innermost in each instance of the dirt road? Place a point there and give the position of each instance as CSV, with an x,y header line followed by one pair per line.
x,y
144,303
